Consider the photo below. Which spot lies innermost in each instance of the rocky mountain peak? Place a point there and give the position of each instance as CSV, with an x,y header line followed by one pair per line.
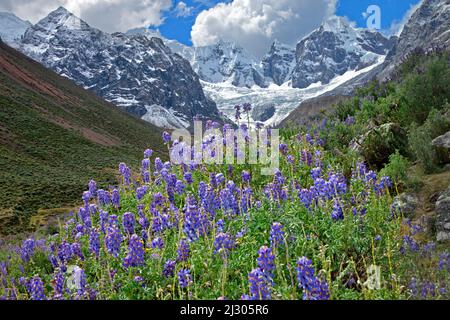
x,y
137,73
335,48
427,28
12,28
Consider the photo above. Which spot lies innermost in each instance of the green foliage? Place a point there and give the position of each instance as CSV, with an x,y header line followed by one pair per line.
x,y
420,138
397,168
345,109
379,143
425,89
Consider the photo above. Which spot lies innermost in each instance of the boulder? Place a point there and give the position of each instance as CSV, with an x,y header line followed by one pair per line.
x,y
263,112
443,217
442,145
442,141
379,142
405,204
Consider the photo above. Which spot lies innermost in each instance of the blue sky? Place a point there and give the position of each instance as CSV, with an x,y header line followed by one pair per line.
x,y
178,24
179,27
392,11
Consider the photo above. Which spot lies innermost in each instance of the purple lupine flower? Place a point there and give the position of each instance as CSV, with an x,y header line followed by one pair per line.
x,y
36,289
169,268
145,164
284,149
92,188
103,198
188,177
53,260
113,238
104,217
166,137
148,153
115,198
195,222
237,115
76,250
158,164
384,184
246,176
179,187
85,197
184,278
246,199
260,285
139,279
306,197
350,121
290,159
141,192
266,260
428,289
85,217
65,252
307,158
276,235
157,243
337,213
316,173
94,242
223,243
220,178
413,287
27,250
128,222
220,225
228,200
80,278
146,176
410,243
125,172
313,287
135,255
444,262
183,251
58,284
247,107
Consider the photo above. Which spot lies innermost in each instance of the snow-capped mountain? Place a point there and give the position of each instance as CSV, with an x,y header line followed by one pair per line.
x,y
12,28
223,62
325,59
135,72
279,63
428,28
335,48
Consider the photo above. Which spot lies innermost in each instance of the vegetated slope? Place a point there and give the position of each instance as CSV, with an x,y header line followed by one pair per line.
x,y
55,136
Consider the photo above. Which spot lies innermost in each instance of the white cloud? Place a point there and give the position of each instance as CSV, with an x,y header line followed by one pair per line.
x,y
397,26
107,15
183,10
255,24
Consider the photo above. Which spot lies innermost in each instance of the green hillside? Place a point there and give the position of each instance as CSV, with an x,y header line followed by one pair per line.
x,y
55,136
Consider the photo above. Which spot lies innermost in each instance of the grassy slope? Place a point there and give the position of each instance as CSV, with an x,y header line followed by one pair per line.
x,y
55,136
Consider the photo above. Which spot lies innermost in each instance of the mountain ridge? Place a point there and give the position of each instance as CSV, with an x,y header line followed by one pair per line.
x,y
137,73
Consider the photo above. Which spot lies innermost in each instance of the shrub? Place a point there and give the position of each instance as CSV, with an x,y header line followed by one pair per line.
x,y
397,168
426,89
420,139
